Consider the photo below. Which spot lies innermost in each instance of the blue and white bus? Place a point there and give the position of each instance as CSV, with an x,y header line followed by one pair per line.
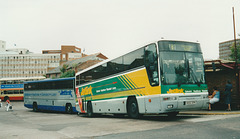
x,y
51,94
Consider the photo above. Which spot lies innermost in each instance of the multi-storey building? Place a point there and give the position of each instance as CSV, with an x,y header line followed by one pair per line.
x,y
13,65
67,53
16,63
225,49
2,45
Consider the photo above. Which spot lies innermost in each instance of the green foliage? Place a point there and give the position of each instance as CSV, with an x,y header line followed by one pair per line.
x,y
70,73
64,68
233,52
66,73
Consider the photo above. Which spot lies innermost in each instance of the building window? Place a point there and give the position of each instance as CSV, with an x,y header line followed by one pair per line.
x,y
64,56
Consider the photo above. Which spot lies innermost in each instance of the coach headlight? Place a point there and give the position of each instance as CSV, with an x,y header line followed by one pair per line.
x,y
205,96
170,106
169,98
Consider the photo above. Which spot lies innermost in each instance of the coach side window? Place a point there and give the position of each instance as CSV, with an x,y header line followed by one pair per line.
x,y
151,63
78,80
134,59
115,66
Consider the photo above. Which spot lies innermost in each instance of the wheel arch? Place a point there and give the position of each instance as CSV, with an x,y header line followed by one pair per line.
x,y
128,99
68,103
35,106
69,108
6,98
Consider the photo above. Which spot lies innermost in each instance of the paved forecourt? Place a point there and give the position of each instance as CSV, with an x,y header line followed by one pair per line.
x,y
24,123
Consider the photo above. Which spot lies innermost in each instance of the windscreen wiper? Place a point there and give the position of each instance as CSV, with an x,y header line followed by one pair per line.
x,y
191,73
194,76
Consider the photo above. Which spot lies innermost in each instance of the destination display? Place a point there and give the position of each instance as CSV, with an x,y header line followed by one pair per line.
x,y
11,86
179,46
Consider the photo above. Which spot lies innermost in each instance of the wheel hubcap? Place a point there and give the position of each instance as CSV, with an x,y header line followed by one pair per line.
x,y
134,107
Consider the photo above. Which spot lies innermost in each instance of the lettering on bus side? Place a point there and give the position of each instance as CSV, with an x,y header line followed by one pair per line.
x,y
38,94
66,92
86,91
172,91
106,89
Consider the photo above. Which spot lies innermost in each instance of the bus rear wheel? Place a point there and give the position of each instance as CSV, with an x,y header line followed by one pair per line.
x,y
35,107
132,108
69,109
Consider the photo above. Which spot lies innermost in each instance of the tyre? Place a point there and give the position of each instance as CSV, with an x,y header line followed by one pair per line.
x,y
89,109
132,108
35,107
69,109
172,114
6,98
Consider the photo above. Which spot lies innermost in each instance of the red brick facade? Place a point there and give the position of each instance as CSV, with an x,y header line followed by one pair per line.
x,y
219,78
64,52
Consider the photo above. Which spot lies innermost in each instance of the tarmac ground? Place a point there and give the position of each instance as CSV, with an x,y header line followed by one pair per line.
x,y
212,112
21,122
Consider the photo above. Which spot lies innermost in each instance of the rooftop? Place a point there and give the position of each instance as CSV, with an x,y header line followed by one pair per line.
x,y
79,61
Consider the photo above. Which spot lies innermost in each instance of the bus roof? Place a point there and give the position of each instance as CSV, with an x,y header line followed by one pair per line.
x,y
107,60
22,78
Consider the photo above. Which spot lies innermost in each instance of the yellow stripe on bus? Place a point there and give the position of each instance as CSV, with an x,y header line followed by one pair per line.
x,y
132,87
140,78
125,84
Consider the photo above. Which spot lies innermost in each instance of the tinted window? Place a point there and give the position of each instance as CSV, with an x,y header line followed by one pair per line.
x,y
127,62
94,74
134,59
78,80
48,85
151,63
115,66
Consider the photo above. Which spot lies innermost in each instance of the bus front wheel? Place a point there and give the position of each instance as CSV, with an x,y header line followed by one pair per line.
x,y
132,108
69,108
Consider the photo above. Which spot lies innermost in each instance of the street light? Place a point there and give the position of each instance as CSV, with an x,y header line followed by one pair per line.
x,y
235,53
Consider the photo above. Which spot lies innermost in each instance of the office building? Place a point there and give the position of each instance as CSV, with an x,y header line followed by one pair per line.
x,y
20,62
225,49
2,45
13,65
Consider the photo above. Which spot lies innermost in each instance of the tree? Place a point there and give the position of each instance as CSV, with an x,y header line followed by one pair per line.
x,y
232,55
66,73
64,68
69,73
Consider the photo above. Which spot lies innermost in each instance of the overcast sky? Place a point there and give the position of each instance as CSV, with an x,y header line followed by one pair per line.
x,y
114,27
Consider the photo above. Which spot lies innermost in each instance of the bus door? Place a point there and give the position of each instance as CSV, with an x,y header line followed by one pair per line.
x,y
81,101
152,101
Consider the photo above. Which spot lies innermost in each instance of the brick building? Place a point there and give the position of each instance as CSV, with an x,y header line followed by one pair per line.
x,y
217,73
67,53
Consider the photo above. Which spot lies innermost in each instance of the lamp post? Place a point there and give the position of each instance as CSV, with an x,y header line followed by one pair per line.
x,y
235,53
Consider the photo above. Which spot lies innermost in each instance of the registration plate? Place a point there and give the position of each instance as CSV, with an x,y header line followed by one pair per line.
x,y
190,102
